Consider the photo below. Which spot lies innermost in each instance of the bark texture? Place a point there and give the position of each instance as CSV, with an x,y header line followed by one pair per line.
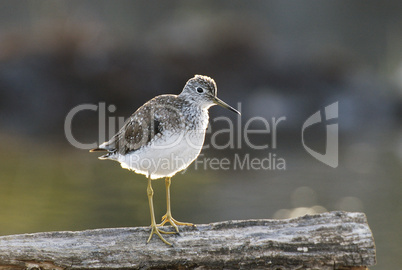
x,y
334,240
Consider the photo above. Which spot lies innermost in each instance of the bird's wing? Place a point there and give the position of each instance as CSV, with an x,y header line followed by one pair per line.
x,y
148,121
137,132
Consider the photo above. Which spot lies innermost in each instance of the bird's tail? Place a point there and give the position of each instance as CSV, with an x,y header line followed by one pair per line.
x,y
98,150
101,149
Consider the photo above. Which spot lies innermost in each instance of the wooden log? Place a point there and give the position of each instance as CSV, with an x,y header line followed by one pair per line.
x,y
335,240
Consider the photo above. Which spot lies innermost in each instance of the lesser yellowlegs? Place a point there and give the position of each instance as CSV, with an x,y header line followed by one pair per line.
x,y
164,136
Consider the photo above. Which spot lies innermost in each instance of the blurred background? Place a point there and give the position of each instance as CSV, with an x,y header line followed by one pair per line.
x,y
272,58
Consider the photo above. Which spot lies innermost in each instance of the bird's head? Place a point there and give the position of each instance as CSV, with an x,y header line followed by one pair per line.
x,y
203,90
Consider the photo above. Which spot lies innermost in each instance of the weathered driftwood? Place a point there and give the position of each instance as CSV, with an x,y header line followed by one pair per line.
x,y
335,240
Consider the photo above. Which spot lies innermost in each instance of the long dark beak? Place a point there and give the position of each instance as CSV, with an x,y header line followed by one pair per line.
x,y
225,105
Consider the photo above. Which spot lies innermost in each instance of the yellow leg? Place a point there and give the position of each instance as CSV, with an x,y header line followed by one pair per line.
x,y
168,216
154,228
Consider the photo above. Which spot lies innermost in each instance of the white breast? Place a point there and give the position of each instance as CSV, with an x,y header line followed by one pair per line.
x,y
165,155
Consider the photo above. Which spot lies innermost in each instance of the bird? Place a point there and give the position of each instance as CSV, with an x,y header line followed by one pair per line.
x,y
163,137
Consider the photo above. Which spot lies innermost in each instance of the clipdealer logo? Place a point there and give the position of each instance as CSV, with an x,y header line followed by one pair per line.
x,y
237,135
331,153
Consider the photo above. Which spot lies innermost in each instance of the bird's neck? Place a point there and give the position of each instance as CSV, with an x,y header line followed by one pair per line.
x,y
196,117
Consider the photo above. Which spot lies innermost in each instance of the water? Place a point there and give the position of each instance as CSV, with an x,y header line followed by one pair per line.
x,y
51,188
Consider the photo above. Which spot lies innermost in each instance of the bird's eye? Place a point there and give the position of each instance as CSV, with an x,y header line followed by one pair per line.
x,y
200,90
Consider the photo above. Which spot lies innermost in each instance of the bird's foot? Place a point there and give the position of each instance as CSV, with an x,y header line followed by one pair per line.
x,y
157,231
168,218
